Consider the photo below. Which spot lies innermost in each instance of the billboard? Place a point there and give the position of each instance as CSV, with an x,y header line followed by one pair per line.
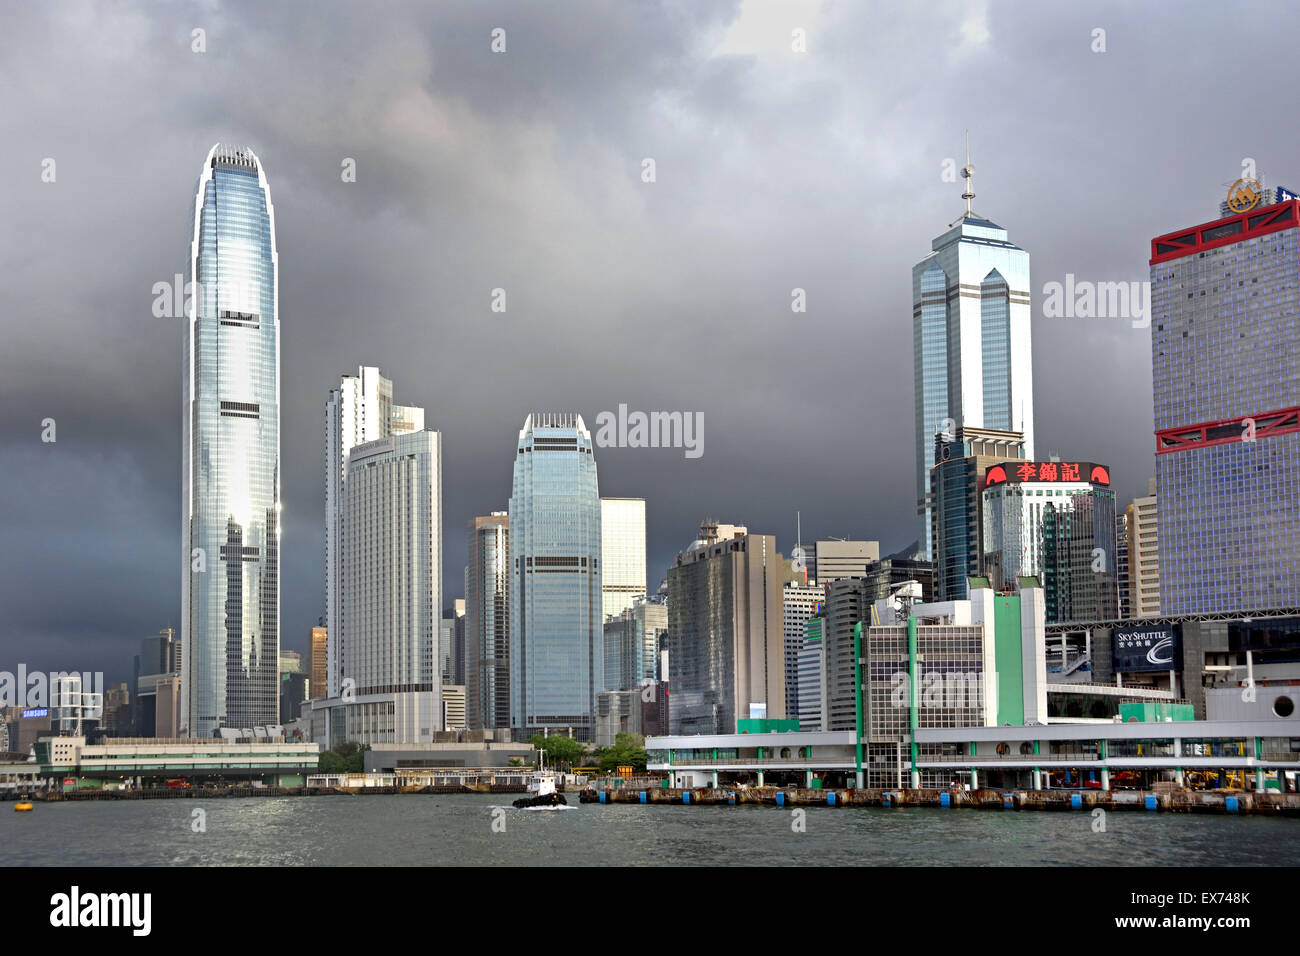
x,y
1150,648
1022,471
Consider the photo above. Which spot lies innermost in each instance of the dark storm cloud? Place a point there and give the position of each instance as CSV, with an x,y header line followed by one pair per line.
x,y
775,170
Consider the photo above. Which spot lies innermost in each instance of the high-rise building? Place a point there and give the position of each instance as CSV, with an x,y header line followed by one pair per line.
x,y
1142,525
810,688
799,602
487,622
971,343
319,667
631,644
556,602
360,410
1054,521
962,458
622,565
230,502
1225,368
392,564
843,559
1123,572
725,630
159,657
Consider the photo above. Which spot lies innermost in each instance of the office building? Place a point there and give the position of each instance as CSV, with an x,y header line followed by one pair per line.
x,y
1143,526
810,687
843,559
632,640
159,657
1225,366
319,665
360,410
799,602
725,630
1123,572
290,663
230,550
453,707
1054,521
487,622
618,712
556,601
962,458
622,565
392,564
971,343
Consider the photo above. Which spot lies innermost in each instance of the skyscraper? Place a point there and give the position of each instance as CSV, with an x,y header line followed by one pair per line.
x,y
230,499
319,667
726,643
622,566
1225,368
956,486
1144,553
487,622
556,603
971,347
392,565
360,410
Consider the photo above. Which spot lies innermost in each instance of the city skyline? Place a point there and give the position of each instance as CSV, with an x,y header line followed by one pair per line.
x,y
111,473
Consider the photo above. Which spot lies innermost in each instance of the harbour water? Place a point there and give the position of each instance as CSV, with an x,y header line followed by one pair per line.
x,y
426,830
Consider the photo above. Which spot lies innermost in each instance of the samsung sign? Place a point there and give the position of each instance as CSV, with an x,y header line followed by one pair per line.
x,y
1146,649
31,712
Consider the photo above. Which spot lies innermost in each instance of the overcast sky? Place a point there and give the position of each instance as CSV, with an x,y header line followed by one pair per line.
x,y
522,170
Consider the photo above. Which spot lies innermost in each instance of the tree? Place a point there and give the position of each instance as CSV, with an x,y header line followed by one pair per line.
x,y
561,752
628,751
348,757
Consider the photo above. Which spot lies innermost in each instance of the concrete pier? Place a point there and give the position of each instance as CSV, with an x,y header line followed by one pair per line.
x,y
1181,801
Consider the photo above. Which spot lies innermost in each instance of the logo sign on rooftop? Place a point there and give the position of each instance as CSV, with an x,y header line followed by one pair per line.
x,y
1245,195
1022,471
1154,648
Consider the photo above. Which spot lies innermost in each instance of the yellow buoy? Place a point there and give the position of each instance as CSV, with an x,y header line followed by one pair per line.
x,y
23,806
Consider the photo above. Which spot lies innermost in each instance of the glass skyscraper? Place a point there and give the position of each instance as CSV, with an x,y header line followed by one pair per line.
x,y
556,603
971,347
1225,368
622,572
230,504
487,622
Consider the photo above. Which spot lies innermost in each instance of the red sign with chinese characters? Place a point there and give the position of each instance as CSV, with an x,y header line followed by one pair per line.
x,y
1018,471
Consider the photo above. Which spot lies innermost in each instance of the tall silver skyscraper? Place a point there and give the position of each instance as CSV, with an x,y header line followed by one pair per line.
x,y
556,605
971,348
360,410
230,499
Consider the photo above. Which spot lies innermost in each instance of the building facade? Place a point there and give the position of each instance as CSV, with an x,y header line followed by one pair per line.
x,y
956,481
392,564
622,565
556,601
1225,363
319,658
971,344
487,622
632,641
360,410
726,639
230,503
799,602
1143,527
1056,522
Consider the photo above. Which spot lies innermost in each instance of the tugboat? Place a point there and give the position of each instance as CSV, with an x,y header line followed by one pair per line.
x,y
542,793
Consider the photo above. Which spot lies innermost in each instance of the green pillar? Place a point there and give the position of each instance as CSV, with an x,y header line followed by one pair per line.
x,y
914,705
857,695
1105,771
1259,771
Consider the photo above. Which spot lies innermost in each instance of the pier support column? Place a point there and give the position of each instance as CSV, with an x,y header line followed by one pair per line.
x,y
1105,778
1038,779
1179,778
807,779
974,779
715,780
760,778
